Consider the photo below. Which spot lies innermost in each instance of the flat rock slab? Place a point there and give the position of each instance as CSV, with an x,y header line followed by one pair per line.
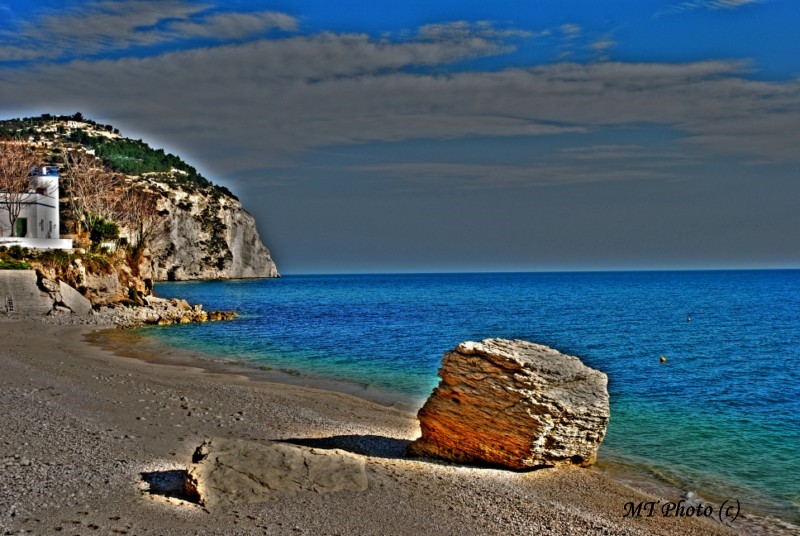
x,y
74,300
235,471
514,404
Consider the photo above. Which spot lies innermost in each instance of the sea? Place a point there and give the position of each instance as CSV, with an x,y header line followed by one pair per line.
x,y
719,416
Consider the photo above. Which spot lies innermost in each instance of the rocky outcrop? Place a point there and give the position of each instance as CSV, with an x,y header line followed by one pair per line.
x,y
39,292
514,404
161,312
114,282
73,300
206,235
236,471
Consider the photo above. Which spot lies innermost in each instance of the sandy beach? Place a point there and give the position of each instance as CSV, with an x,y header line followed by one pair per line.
x,y
90,440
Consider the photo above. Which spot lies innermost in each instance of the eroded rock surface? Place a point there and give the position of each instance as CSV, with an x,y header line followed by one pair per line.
x,y
73,300
235,471
206,236
514,404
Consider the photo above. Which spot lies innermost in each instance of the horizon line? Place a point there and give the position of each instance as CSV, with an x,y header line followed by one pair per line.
x,y
566,271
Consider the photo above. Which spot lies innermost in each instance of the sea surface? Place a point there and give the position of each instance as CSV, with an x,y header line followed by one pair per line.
x,y
721,417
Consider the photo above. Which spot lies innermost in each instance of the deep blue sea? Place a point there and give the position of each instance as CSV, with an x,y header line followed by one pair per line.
x,y
720,417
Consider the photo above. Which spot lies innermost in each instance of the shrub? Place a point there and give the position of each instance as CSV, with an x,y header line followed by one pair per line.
x,y
14,265
98,263
16,251
55,259
103,231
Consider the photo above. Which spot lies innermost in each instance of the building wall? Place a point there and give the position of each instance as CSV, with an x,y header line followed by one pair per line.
x,y
37,243
18,287
40,211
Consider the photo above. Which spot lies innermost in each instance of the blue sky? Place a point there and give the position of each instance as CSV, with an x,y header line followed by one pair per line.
x,y
458,136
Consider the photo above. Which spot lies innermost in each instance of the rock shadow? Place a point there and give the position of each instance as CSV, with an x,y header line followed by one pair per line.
x,y
365,445
168,484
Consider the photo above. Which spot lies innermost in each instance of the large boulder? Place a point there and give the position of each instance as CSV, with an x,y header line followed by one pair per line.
x,y
236,471
73,300
514,404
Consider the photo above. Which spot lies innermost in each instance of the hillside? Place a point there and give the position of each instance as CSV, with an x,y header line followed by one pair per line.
x,y
202,231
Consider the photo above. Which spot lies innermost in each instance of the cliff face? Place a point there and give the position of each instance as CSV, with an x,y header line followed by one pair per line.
x,y
206,235
202,231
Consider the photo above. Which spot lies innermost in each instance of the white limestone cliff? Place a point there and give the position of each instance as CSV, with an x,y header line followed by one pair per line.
x,y
206,235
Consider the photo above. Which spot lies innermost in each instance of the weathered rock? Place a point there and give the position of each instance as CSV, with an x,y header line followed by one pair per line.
x,y
161,312
514,404
73,300
235,471
207,235
49,285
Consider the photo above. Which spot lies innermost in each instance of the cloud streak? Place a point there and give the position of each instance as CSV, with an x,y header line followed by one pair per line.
x,y
274,99
574,166
112,26
267,101
713,5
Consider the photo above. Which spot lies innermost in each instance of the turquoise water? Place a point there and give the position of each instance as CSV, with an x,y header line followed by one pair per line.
x,y
720,417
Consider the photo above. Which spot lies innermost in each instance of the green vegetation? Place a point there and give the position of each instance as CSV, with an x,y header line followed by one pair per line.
x,y
18,258
21,128
56,259
17,252
217,248
135,157
123,155
6,264
103,231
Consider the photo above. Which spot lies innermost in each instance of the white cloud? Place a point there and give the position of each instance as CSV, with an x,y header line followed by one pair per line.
x,y
258,104
106,25
461,30
710,5
233,25
570,31
602,45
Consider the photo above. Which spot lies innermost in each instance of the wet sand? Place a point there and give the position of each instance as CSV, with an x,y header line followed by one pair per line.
x,y
92,442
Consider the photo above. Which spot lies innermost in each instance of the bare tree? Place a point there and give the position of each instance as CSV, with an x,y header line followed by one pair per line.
x,y
16,161
94,192
139,215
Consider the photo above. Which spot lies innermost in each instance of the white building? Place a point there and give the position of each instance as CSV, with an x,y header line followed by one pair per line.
x,y
38,222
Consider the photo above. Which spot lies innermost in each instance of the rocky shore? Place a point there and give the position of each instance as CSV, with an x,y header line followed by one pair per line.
x,y
161,312
36,295
95,443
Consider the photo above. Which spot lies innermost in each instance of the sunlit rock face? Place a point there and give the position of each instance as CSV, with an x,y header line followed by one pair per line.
x,y
514,404
204,235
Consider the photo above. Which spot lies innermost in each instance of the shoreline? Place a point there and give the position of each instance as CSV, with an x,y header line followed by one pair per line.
x,y
615,466
118,341
115,419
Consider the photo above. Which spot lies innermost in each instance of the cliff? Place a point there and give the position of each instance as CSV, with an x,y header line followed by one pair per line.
x,y
202,231
206,235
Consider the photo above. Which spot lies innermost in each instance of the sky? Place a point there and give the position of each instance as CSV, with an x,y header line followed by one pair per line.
x,y
441,136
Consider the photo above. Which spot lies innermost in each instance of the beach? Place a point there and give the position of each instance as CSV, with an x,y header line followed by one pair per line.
x,y
90,440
